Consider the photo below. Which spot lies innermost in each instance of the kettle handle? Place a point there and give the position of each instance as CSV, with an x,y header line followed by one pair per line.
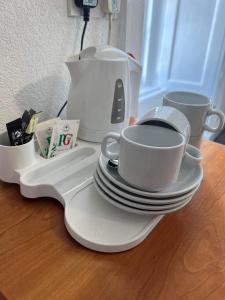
x,y
135,70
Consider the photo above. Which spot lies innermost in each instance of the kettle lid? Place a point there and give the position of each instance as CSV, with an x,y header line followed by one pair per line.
x,y
105,53
110,53
88,53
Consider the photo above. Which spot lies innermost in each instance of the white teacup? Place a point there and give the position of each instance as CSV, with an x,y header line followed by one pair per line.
x,y
169,117
150,156
197,108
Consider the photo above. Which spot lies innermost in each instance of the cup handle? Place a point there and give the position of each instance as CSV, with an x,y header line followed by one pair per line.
x,y
220,116
193,155
104,145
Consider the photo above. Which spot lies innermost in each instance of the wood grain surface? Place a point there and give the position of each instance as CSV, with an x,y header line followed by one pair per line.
x,y
183,258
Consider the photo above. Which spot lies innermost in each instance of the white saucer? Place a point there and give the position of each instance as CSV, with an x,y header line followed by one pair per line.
x,y
134,204
98,225
189,178
136,210
141,199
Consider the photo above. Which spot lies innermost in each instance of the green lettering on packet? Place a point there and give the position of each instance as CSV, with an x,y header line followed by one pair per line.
x,y
53,151
44,134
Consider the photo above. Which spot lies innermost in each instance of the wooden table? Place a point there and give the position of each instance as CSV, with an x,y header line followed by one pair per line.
x,y
183,258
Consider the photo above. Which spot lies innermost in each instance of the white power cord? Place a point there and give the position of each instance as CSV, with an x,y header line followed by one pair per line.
x,y
110,30
111,7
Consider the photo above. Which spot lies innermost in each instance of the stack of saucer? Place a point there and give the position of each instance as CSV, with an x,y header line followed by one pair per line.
x,y
156,171
112,187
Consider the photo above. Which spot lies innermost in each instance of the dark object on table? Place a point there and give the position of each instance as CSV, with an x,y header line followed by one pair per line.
x,y
2,297
113,163
220,138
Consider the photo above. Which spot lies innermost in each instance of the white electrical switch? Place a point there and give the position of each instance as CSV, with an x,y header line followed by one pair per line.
x,y
112,6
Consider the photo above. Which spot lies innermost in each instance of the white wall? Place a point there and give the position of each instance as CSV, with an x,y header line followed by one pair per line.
x,y
36,36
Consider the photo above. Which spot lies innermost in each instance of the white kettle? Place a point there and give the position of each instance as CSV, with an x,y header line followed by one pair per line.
x,y
104,91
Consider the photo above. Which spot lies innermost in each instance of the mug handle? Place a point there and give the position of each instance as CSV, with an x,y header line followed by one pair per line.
x,y
104,145
193,155
220,116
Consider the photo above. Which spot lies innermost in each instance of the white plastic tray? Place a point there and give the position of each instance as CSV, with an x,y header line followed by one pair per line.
x,y
89,219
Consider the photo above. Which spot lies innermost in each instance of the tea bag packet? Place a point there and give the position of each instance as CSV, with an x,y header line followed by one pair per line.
x,y
25,120
15,132
29,124
34,116
44,135
64,136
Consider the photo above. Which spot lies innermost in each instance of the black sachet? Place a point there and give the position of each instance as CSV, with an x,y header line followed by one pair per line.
x,y
15,132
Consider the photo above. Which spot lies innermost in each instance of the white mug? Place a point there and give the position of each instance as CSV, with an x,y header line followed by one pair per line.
x,y
150,156
13,158
197,108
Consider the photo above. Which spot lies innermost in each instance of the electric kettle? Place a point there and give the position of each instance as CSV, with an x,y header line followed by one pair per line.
x,y
103,92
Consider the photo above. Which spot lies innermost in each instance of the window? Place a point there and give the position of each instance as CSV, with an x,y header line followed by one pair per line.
x,y
181,44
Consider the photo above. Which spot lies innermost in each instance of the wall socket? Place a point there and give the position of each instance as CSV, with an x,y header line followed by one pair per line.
x,y
74,11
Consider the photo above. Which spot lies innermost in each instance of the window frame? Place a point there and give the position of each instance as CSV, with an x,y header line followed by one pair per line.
x,y
132,23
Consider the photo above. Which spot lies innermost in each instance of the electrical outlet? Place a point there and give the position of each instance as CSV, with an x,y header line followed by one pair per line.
x,y
74,11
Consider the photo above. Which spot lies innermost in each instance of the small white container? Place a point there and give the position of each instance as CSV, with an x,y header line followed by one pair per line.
x,y
13,158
